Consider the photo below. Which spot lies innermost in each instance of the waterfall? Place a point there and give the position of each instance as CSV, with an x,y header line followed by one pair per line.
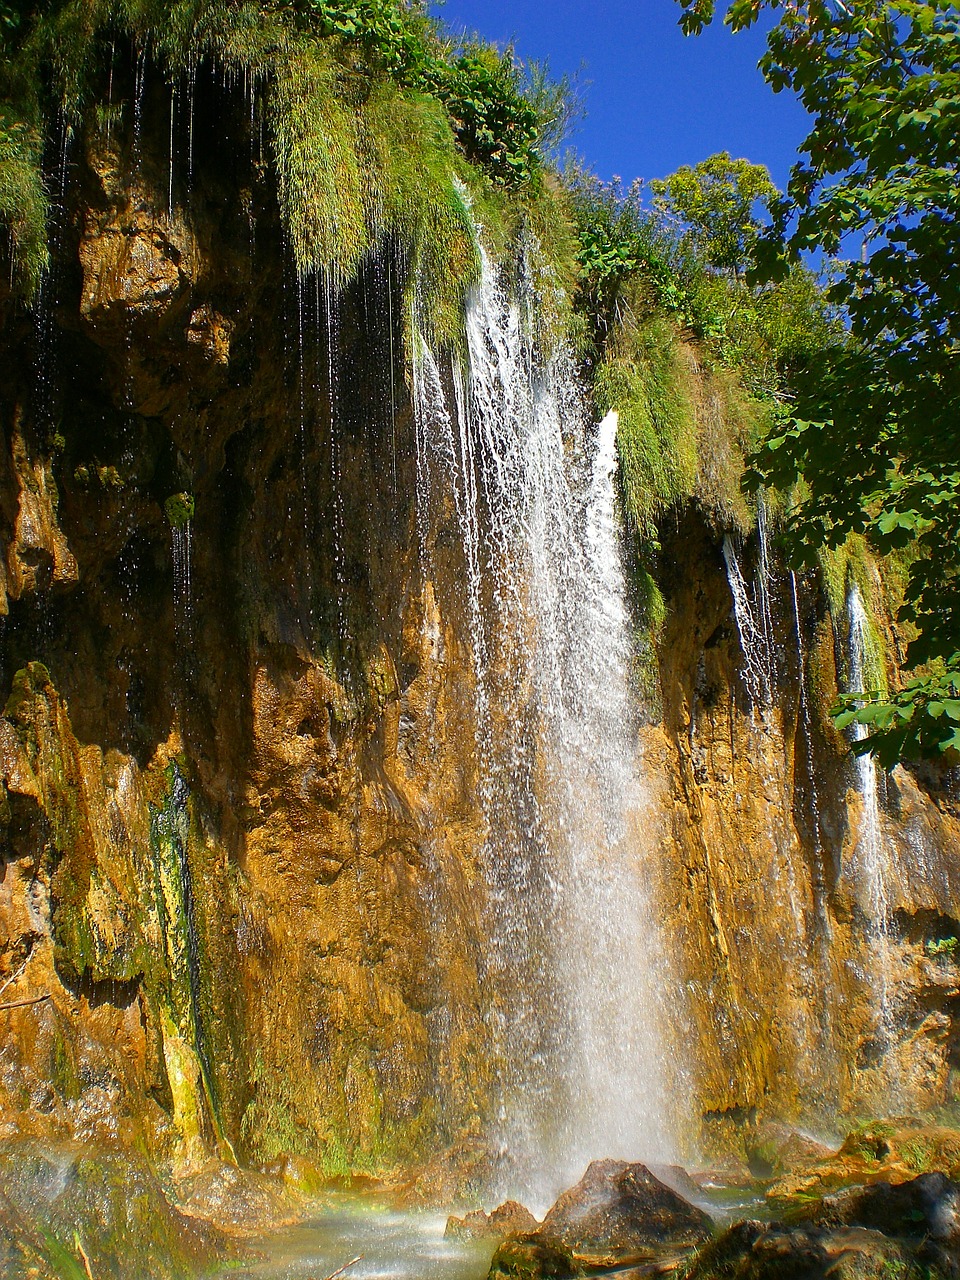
x,y
573,965
870,854
751,611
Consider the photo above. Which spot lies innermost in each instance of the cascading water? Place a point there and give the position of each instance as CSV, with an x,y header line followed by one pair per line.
x,y
751,610
573,966
870,854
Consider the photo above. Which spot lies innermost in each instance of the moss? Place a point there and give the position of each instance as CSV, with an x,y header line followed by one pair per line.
x,y
180,978
23,198
869,1141
179,508
645,381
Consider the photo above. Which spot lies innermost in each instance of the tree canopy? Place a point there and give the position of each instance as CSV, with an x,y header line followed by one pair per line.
x,y
716,204
875,427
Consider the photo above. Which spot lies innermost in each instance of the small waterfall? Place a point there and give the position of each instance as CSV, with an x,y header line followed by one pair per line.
x,y
870,854
573,964
751,610
182,539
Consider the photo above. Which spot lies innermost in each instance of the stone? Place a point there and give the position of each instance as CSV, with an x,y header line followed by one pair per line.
x,y
892,1152
619,1211
530,1257
927,1206
772,1149
239,1202
508,1219
771,1251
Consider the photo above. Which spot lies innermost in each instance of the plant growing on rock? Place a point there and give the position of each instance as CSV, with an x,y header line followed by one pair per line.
x,y
383,130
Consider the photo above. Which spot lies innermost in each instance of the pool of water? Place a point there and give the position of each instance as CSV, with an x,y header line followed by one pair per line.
x,y
389,1245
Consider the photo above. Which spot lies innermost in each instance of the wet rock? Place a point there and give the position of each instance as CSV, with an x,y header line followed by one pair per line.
x,y
617,1211
772,1149
530,1257
759,1251
892,1152
67,1213
928,1206
238,1201
509,1219
770,1251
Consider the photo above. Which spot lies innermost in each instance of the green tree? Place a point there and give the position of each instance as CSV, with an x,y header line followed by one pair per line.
x,y
716,205
876,429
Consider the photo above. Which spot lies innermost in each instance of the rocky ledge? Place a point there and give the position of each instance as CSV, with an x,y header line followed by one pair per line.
x,y
856,1214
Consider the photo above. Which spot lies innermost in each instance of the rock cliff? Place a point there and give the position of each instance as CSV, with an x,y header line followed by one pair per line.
x,y
240,825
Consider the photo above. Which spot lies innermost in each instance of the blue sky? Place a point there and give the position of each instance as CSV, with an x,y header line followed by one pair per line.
x,y
656,99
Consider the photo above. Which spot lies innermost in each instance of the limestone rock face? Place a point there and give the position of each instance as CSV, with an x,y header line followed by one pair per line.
x,y
617,1211
804,1004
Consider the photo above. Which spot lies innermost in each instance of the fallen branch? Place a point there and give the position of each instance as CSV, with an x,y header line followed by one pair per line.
x,y
346,1267
20,1004
14,976
83,1255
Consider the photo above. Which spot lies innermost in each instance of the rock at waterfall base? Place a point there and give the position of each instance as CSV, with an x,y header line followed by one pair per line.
x,y
509,1219
618,1212
928,1206
891,1152
530,1257
771,1251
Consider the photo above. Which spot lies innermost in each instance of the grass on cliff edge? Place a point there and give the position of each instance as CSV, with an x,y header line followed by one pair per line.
x,y
379,127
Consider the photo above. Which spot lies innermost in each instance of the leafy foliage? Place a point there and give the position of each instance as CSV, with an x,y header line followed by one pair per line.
x,y
379,125
876,434
495,123
637,259
717,205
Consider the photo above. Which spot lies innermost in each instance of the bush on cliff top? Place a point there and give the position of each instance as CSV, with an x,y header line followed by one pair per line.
x,y
379,125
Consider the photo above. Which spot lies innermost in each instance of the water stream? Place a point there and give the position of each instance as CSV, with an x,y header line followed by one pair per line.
x,y
574,966
870,857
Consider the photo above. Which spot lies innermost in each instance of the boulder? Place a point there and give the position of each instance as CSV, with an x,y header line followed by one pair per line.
x,y
927,1206
509,1219
530,1257
620,1211
773,1149
772,1251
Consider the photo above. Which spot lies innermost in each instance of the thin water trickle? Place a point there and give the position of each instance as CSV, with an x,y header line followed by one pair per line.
x,y
182,540
173,112
327,290
752,618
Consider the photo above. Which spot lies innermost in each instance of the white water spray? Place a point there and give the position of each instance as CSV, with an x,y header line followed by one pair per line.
x,y
574,966
871,853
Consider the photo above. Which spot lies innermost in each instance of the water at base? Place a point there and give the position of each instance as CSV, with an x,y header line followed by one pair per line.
x,y
394,1246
